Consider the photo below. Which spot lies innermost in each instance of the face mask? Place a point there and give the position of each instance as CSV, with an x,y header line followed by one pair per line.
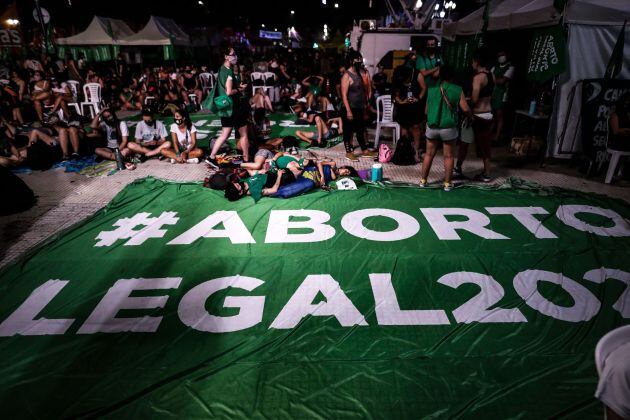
x,y
274,65
431,50
150,122
109,120
233,60
502,59
179,121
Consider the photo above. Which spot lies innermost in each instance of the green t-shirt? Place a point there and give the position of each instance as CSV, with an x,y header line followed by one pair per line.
x,y
426,63
256,185
439,115
283,161
224,74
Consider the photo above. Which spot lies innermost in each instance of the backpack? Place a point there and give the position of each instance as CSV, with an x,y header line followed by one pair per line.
x,y
384,153
405,153
220,179
42,156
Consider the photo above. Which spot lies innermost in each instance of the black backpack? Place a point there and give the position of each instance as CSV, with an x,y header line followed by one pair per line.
x,y
42,156
219,180
404,154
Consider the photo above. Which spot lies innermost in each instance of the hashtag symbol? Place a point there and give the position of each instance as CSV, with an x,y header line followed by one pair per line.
x,y
151,228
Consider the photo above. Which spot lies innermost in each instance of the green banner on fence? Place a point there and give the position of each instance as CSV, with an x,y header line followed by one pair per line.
x,y
547,54
458,54
384,302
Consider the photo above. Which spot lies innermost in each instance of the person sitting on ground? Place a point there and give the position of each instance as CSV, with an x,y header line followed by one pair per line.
x,y
184,141
9,154
150,137
128,99
324,133
55,133
114,135
41,93
442,124
261,100
258,185
315,86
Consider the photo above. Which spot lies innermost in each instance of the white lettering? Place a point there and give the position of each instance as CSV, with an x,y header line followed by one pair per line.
x,y
234,228
446,230
407,225
280,223
525,216
567,214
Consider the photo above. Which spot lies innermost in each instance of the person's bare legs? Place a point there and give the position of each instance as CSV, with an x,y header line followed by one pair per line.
x,y
105,153
256,165
305,136
448,160
432,146
169,153
195,153
244,142
63,141
38,109
17,115
225,133
73,133
462,152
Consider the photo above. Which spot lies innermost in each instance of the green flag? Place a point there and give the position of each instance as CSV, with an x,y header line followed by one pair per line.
x,y
559,5
616,58
547,54
169,52
486,17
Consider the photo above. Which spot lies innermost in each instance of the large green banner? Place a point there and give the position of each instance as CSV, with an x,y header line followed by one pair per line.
x,y
547,54
383,302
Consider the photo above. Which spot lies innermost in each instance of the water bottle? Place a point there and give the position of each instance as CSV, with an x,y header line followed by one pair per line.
x,y
119,159
532,107
377,172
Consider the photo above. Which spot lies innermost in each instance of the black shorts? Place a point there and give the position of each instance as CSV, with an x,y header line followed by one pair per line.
x,y
240,115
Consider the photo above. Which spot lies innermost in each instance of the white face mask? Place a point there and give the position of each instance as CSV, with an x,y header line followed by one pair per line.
x,y
233,59
502,59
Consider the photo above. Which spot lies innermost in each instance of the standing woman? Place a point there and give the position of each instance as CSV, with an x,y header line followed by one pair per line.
x,y
354,99
184,142
481,104
230,85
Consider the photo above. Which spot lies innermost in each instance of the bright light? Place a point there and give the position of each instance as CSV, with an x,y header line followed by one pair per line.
x,y
275,29
292,12
437,7
200,2
418,4
453,5
12,22
315,45
442,14
336,5
325,26
263,25
324,2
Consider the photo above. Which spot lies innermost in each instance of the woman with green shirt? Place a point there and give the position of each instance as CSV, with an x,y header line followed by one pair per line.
x,y
230,85
443,101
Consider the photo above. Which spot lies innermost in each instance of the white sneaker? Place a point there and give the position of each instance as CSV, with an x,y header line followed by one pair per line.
x,y
193,160
173,161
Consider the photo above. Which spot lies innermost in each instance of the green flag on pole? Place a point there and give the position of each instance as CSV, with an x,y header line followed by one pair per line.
x,y
547,54
559,5
616,58
486,17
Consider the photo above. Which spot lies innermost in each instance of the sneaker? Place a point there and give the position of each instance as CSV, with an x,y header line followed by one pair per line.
x,y
448,186
482,177
212,163
172,161
294,150
75,156
141,158
352,157
368,154
65,158
423,183
193,160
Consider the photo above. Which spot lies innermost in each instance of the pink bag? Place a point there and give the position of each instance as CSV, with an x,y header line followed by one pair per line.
x,y
385,153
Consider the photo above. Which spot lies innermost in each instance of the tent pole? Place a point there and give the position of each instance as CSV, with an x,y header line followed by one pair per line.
x,y
40,17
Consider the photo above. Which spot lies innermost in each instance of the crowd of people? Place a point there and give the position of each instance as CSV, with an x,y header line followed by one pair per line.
x,y
333,93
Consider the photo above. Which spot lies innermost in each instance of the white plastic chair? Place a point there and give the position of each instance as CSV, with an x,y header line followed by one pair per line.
x,y
385,118
270,85
74,88
93,100
207,82
615,156
255,76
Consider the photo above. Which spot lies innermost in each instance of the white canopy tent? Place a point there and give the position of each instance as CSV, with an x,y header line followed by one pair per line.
x,y
158,31
593,28
101,31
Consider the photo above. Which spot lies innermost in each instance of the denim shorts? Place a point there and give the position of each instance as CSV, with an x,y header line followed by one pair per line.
x,y
443,134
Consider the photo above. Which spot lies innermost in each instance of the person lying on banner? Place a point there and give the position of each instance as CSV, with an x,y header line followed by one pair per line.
x,y
258,185
294,164
325,171
326,130
613,367
150,137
